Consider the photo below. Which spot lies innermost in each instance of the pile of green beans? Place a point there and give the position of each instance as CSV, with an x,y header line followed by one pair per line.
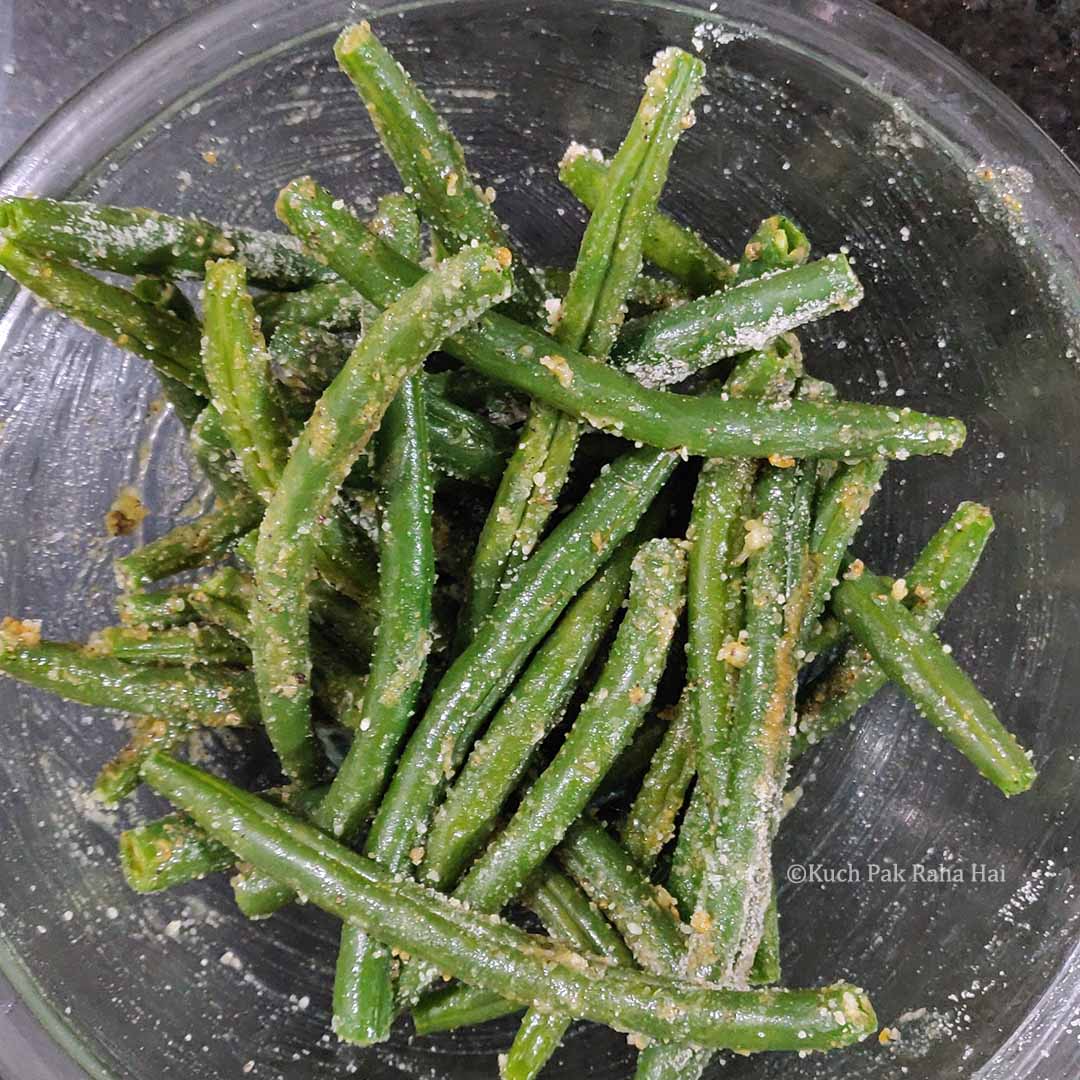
x,y
461,507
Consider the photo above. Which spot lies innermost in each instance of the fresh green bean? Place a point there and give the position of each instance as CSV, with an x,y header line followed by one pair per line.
x,y
778,244
669,347
509,352
190,544
491,953
939,574
138,241
179,645
499,760
917,662
672,247
428,158
588,320
345,418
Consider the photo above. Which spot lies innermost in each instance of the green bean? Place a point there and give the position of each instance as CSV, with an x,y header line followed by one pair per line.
x,y
459,1006
646,292
495,955
916,661
669,347
737,883
576,548
121,774
650,821
509,352
839,513
766,967
589,317
173,850
237,367
181,645
567,915
603,727
428,158
138,241
345,418
672,247
628,772
463,444
156,610
190,544
170,344
363,987
939,574
499,760
778,244
715,586
641,913
305,360
206,694
213,454
331,306
165,295
170,851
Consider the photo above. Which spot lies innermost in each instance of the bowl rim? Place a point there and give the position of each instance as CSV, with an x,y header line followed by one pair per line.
x,y
893,61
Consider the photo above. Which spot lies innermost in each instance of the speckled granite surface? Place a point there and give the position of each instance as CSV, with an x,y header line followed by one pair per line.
x,y
1029,48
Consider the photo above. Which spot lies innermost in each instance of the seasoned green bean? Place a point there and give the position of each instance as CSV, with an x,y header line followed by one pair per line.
x,y
914,659
345,418
536,703
939,574
603,727
138,241
669,347
511,353
672,247
495,955
428,158
180,645
588,320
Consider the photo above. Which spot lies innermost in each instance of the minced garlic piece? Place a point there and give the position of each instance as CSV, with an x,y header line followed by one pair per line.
x,y
781,461
758,535
558,367
125,513
899,589
855,570
734,653
26,632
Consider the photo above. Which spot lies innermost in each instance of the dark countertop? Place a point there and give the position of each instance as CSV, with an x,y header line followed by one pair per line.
x,y
1028,48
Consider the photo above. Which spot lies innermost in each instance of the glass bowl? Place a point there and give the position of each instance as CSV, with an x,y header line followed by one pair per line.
x,y
963,221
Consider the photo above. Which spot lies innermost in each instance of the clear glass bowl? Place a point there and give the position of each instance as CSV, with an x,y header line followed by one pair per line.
x,y
963,220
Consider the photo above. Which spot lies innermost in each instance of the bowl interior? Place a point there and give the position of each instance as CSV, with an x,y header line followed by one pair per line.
x,y
970,310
